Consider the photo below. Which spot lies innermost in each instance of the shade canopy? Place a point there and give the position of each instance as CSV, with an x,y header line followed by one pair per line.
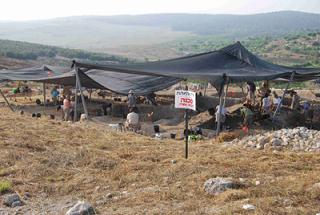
x,y
233,63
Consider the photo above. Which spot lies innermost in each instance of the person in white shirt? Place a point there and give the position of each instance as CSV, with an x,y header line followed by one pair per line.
x,y
266,104
276,100
222,116
132,122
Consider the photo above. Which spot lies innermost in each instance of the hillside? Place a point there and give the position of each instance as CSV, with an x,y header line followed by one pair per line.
x,y
231,26
132,174
15,53
102,33
291,49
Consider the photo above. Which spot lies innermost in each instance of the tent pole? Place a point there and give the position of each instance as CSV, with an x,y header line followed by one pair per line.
x,y
81,94
283,95
90,94
186,134
5,99
205,89
44,97
75,101
225,95
220,104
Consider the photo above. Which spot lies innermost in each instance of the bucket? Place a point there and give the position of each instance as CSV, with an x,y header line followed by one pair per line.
x,y
156,128
173,136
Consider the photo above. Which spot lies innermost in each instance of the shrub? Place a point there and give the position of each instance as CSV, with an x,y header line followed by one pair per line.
x,y
5,186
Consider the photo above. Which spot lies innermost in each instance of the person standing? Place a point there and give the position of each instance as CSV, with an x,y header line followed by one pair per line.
x,y
266,104
222,115
263,90
66,108
132,101
295,104
251,90
55,94
276,100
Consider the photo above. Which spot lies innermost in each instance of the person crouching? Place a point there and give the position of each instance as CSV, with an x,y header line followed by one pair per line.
x,y
132,123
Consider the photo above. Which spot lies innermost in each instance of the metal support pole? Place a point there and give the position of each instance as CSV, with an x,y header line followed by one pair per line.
x,y
81,94
5,99
225,95
44,97
220,104
283,95
75,101
205,89
186,133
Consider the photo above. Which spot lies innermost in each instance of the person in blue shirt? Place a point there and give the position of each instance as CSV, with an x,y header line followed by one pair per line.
x,y
55,94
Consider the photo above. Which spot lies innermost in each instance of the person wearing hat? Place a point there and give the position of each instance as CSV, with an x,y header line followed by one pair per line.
x,y
132,102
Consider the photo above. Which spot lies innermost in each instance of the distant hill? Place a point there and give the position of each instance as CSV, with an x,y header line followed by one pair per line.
x,y
233,26
105,33
24,51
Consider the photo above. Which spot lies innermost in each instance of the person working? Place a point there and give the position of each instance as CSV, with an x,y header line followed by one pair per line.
x,y
251,90
295,104
66,91
132,101
55,94
132,122
276,100
222,116
263,90
266,104
247,114
66,108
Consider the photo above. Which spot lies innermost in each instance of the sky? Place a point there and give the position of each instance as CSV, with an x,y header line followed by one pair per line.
x,y
45,9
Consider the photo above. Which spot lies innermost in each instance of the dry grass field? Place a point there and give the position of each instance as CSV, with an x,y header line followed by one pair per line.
x,y
59,163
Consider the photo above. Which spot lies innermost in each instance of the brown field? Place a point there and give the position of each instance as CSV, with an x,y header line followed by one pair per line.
x,y
59,163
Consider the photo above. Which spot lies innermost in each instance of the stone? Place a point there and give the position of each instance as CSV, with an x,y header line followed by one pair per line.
x,y
16,204
260,146
10,199
258,183
109,195
249,207
81,208
173,161
83,118
262,140
214,186
241,179
276,142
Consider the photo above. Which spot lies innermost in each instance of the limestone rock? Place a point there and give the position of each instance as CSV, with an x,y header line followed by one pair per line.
x,y
81,208
249,207
12,200
214,186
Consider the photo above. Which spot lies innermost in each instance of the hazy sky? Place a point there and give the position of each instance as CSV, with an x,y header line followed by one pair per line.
x,y
44,9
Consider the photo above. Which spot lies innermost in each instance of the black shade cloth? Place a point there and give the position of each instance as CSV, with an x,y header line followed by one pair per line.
x,y
233,63
33,73
116,82
96,79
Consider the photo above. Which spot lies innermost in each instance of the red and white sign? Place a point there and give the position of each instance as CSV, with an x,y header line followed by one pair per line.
x,y
185,99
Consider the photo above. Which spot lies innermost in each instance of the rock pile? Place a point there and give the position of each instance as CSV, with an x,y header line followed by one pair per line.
x,y
297,139
12,200
214,186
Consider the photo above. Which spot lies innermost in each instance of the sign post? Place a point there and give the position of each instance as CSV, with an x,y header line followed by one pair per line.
x,y
185,100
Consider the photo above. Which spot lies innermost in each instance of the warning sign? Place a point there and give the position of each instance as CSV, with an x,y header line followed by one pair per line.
x,y
185,99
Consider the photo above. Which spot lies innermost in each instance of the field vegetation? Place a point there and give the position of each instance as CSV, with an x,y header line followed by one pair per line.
x,y
58,163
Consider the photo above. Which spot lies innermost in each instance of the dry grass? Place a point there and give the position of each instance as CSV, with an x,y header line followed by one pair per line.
x,y
86,161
